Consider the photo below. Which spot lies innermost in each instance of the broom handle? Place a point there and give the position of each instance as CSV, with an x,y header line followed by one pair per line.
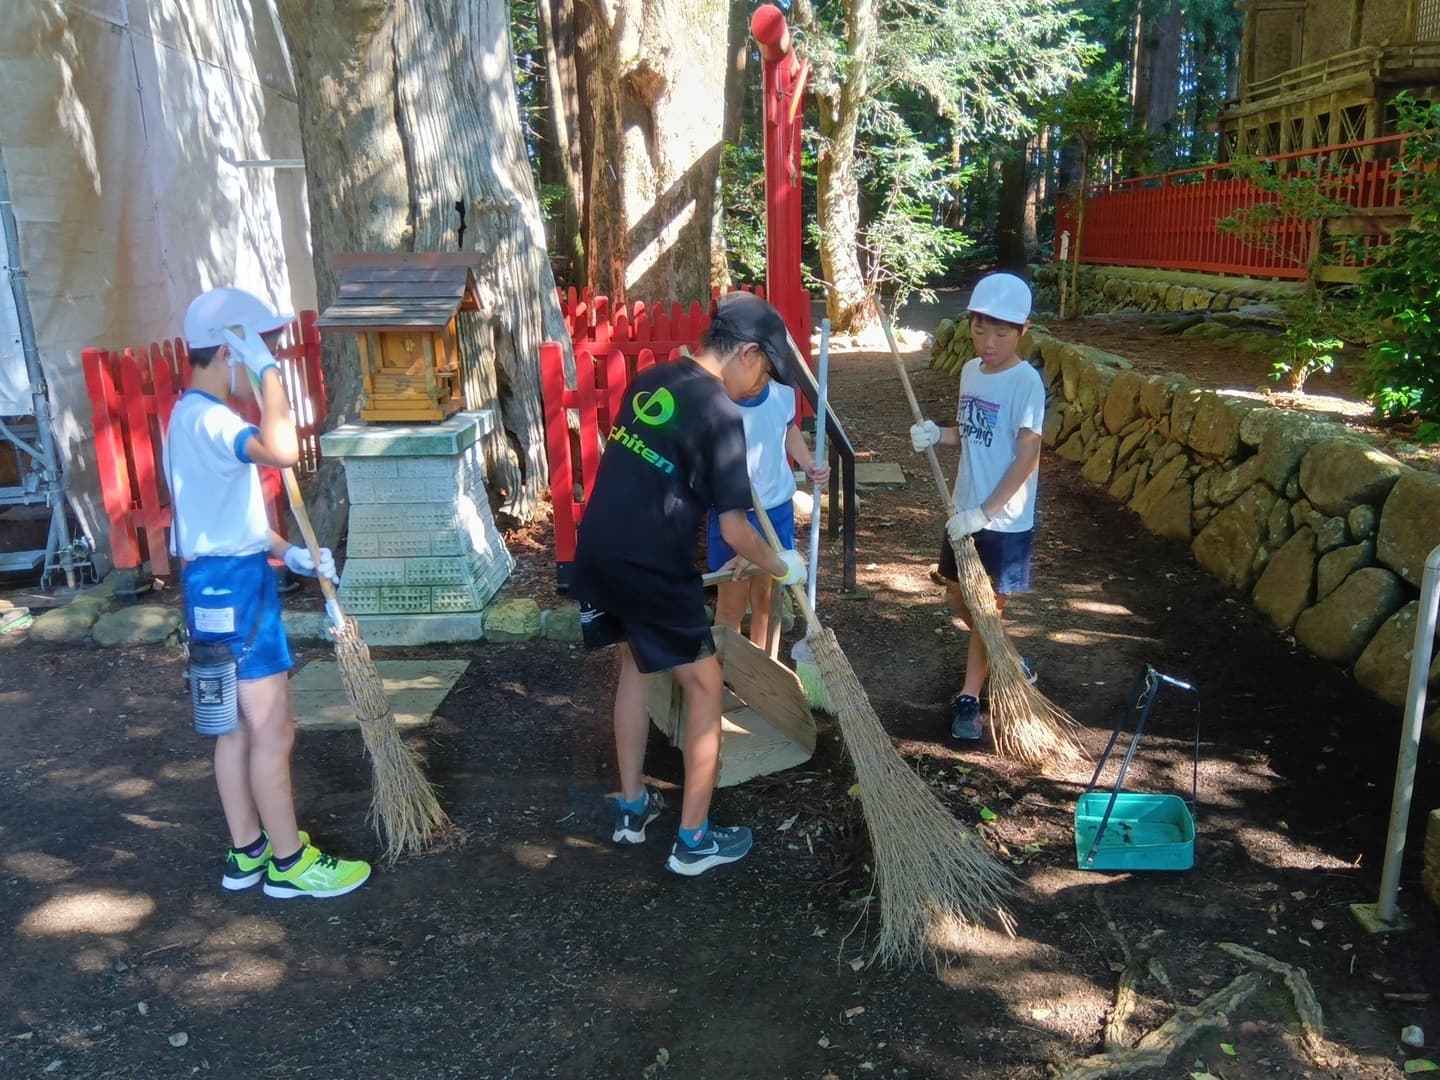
x,y
940,484
297,507
812,621
820,403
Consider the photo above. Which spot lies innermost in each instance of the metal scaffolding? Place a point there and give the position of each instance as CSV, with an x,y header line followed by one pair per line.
x,y
31,439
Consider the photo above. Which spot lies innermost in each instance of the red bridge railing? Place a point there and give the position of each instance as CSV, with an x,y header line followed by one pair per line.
x,y
1170,220
132,393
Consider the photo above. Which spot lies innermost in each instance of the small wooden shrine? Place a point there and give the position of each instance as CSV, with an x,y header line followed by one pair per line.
x,y
405,310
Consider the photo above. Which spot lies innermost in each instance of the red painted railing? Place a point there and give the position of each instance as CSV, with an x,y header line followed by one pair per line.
x,y
132,393
1170,220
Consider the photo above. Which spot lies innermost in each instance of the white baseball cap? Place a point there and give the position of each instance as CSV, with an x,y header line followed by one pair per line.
x,y
211,313
1002,296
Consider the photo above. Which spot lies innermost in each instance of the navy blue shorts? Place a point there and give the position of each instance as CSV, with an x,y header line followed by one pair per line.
x,y
1006,557
718,553
656,646
228,596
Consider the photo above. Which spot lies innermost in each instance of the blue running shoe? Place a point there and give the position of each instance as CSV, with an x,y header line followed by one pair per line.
x,y
629,827
723,844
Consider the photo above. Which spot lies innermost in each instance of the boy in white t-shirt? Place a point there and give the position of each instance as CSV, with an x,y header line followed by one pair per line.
x,y
998,424
772,438
221,531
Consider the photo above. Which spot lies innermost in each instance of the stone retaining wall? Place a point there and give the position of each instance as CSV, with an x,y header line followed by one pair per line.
x,y
1123,288
1325,534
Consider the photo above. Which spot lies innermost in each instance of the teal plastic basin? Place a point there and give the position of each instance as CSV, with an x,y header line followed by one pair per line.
x,y
1145,832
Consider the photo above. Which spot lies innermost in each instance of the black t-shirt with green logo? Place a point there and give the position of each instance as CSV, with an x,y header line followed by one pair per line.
x,y
677,449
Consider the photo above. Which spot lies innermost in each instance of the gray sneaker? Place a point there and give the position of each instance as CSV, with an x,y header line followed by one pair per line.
x,y
629,827
724,844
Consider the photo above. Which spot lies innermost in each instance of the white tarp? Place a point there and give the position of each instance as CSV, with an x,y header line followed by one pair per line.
x,y
14,383
119,120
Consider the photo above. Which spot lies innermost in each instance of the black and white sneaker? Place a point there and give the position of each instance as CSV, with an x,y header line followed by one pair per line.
x,y
965,718
723,844
629,826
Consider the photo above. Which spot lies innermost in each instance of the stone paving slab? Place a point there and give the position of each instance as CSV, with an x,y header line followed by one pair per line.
x,y
415,689
867,474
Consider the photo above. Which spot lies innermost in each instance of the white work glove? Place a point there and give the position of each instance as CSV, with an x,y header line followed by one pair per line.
x,y
795,568
964,522
297,558
924,436
250,351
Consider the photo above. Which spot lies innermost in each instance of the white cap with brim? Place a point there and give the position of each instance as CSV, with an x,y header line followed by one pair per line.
x,y
1001,296
212,313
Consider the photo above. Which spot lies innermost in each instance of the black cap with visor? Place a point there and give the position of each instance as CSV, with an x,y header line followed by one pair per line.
x,y
742,316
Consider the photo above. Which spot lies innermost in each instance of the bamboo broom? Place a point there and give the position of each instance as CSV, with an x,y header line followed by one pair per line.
x,y
1024,723
404,811
934,877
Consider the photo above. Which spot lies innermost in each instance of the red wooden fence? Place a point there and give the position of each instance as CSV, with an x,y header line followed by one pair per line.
x,y
132,393
602,373
1169,220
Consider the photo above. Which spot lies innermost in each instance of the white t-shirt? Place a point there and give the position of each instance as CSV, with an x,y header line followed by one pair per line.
x,y
767,420
992,411
215,493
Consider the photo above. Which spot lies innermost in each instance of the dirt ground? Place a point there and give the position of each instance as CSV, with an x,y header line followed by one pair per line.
x,y
528,948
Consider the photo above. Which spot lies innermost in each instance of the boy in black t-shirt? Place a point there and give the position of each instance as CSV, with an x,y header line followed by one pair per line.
x,y
677,449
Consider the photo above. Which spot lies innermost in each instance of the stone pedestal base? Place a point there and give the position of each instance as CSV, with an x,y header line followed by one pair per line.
x,y
423,555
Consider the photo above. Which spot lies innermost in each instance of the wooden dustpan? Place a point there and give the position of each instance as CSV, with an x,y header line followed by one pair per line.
x,y
767,725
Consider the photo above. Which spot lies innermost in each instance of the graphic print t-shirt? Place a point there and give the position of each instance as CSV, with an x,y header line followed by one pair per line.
x,y
993,409
677,448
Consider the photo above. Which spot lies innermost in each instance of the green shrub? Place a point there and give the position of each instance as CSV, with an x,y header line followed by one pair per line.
x,y
1400,293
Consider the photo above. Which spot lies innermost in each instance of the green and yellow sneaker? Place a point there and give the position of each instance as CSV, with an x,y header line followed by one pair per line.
x,y
315,874
242,871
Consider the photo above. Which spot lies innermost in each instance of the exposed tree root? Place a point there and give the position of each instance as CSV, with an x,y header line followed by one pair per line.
x,y
1153,1051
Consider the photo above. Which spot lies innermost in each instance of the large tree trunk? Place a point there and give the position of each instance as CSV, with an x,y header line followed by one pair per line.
x,y
737,83
607,240
849,303
1010,250
1037,152
562,157
411,130
1156,81
654,87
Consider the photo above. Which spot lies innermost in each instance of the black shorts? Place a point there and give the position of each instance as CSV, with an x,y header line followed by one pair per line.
x,y
1005,556
656,646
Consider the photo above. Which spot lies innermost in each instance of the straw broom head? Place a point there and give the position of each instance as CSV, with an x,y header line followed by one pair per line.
x,y
935,879
404,811
1024,722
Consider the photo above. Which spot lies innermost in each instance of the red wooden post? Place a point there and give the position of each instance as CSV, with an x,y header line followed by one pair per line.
x,y
110,457
149,515
557,449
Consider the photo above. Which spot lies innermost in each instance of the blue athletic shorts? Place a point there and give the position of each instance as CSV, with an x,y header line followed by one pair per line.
x,y
718,553
228,596
1006,557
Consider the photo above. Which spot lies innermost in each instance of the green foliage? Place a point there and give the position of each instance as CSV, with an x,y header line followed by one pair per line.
x,y
1400,293
1095,112
742,190
1310,341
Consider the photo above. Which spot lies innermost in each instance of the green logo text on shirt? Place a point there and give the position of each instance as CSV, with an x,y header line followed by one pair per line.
x,y
654,409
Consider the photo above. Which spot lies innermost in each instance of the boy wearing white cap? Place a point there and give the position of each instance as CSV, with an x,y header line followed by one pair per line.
x,y
232,606
997,428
